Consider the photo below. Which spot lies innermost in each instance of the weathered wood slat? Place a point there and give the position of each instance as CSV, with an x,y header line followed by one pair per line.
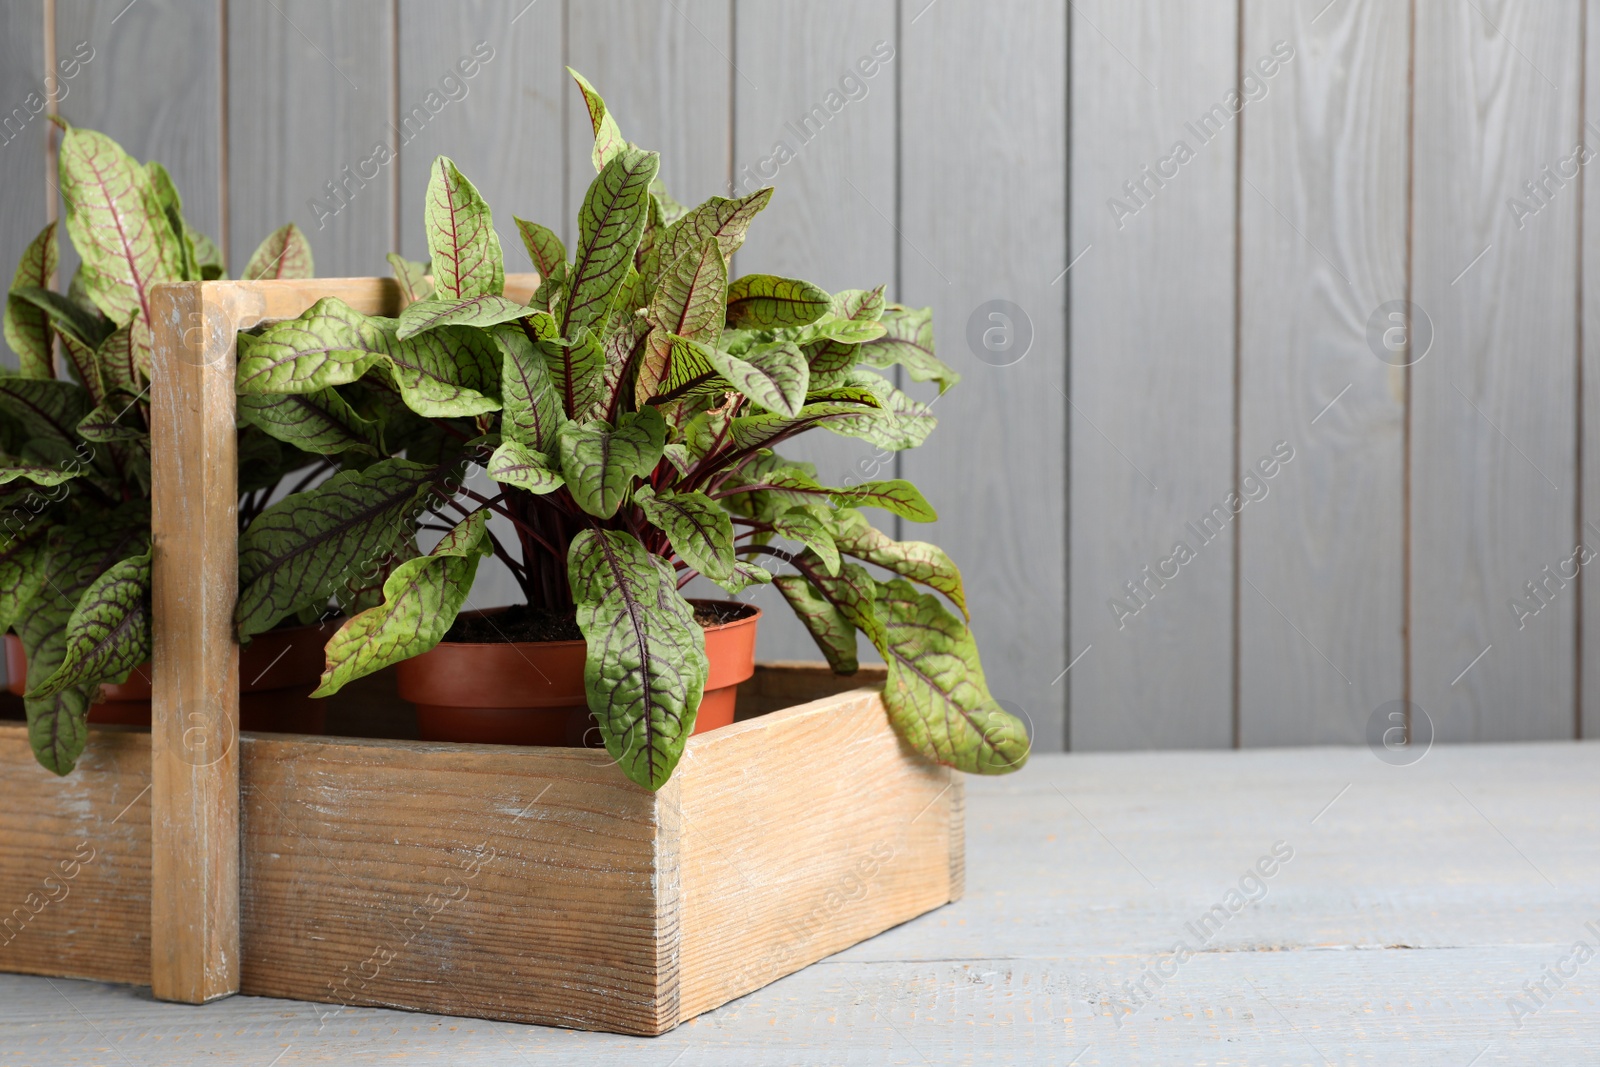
x,y
313,157
1152,413
986,222
1323,245
1493,434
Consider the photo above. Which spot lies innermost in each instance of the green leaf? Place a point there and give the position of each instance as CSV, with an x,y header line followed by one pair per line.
x,y
284,254
894,495
774,376
467,261
829,628
27,328
544,247
481,311
899,422
302,549
689,300
109,632
83,324
320,422
530,411
551,296
83,363
936,694
205,255
448,372
609,227
120,362
23,559
763,301
45,409
749,432
646,663
172,208
608,140
115,419
623,353
118,225
577,371
701,532
800,523
908,341
330,344
45,474
421,599
745,574
412,278
921,562
600,463
517,465
721,218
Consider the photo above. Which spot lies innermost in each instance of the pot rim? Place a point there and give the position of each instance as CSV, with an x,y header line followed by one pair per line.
x,y
743,620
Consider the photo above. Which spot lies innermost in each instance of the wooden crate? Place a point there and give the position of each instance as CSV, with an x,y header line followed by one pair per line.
x,y
528,884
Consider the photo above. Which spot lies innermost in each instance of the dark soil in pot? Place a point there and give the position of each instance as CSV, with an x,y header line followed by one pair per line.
x,y
514,676
277,672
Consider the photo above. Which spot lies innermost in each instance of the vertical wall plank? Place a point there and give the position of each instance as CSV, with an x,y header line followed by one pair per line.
x,y
24,209
822,223
1152,411
665,68
983,217
1322,246
1589,649
1493,465
154,86
310,93
502,126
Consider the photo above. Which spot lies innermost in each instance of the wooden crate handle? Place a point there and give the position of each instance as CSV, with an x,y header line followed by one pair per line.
x,y
194,736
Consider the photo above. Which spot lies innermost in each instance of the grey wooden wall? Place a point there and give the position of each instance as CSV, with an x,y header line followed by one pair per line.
x,y
1181,319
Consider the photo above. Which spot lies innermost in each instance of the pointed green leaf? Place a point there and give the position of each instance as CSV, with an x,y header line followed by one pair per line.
x,y
205,255
46,474
763,301
623,352
749,432
530,411
937,698
421,599
908,341
330,344
829,628
774,376
118,225
544,247
23,559
320,422
302,549
412,277
481,311
721,218
917,560
609,226
172,208
517,465
701,532
82,364
286,253
689,300
27,328
646,665
467,261
109,632
115,419
608,140
45,409
800,523
577,371
119,360
83,324
451,371
551,296
745,574
899,421
600,463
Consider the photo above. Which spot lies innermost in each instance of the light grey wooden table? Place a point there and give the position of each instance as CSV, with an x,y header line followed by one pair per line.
x,y
1410,915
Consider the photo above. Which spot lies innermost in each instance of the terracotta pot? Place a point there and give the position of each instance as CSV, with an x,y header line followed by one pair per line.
x,y
531,692
277,673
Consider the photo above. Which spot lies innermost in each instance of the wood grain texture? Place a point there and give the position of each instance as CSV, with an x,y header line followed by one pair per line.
x,y
194,862
1322,247
121,94
822,223
979,222
785,860
1493,445
665,68
328,68
1152,413
24,209
1383,940
75,859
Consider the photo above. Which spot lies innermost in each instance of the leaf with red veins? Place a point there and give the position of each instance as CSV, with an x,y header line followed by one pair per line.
x,y
467,260
286,253
27,326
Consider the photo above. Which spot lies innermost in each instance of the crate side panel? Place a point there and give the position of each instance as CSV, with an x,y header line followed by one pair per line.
x,y
497,882
75,859
803,832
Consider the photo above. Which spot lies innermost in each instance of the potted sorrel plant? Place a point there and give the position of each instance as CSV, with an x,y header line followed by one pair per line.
x,y
74,432
628,415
